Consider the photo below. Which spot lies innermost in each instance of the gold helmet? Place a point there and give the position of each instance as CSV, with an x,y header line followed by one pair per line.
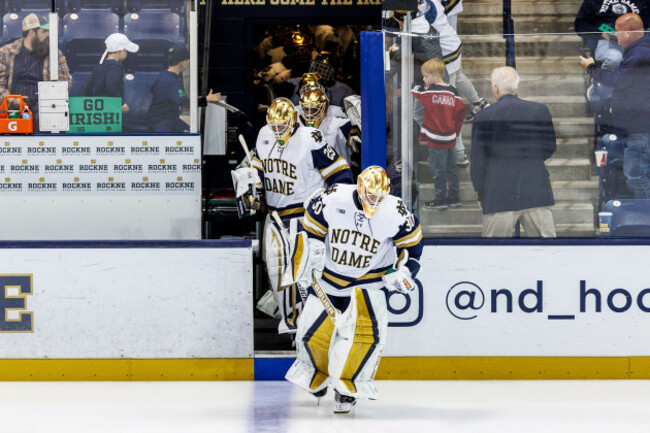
x,y
373,185
281,117
314,105
308,80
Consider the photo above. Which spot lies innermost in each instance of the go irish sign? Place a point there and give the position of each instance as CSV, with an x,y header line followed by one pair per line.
x,y
95,115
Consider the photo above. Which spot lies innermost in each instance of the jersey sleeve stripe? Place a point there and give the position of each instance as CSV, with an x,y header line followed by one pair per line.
x,y
411,243
256,163
292,211
313,229
409,238
315,223
335,167
307,224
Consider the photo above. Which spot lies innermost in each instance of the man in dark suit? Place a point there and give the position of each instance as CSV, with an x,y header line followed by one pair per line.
x,y
511,139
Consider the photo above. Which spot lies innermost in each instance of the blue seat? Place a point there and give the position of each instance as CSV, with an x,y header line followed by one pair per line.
x,y
116,6
12,23
630,217
79,81
151,57
90,23
153,24
32,5
611,180
84,33
138,5
137,95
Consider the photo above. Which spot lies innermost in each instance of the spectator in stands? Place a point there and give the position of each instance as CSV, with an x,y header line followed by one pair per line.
x,y
444,112
593,14
107,78
511,139
169,97
26,61
434,12
630,104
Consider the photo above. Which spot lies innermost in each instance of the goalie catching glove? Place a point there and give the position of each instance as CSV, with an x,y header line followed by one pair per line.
x,y
247,185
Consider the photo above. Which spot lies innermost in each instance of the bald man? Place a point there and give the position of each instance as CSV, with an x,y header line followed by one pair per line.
x,y
630,85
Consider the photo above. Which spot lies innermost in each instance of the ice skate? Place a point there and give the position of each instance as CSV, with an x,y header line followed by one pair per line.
x,y
343,403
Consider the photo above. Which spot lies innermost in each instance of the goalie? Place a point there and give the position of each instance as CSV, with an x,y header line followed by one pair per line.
x,y
356,243
290,163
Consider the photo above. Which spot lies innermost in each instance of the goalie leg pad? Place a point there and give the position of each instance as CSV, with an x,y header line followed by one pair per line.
x,y
358,344
310,371
275,254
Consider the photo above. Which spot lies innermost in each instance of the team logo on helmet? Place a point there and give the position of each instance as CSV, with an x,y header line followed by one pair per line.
x,y
373,185
281,117
314,105
309,80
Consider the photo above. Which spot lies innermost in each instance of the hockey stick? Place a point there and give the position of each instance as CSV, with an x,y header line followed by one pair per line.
x,y
244,146
327,304
286,239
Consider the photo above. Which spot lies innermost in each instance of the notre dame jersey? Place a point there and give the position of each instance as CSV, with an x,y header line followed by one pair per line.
x,y
359,250
291,173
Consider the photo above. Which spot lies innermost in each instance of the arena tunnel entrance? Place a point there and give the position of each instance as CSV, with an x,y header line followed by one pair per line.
x,y
253,51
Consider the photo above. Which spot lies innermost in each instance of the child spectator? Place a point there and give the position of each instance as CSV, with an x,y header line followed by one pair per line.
x,y
441,123
108,77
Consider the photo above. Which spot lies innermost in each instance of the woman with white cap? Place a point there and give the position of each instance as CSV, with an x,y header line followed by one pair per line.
x,y
108,76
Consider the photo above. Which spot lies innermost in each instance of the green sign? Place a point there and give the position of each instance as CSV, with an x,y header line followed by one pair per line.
x,y
95,115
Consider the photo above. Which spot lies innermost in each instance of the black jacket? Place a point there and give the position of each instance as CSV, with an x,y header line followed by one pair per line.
x,y
511,139
107,79
594,13
630,85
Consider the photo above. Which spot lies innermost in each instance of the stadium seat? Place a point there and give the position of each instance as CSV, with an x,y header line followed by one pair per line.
x,y
31,5
79,80
116,6
137,94
138,5
12,24
611,180
153,24
151,57
84,33
630,217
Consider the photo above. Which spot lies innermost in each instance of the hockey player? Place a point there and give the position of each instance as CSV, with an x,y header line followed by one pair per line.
x,y
292,162
315,111
352,107
357,242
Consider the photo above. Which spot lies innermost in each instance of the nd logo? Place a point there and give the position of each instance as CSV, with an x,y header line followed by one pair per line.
x,y
14,290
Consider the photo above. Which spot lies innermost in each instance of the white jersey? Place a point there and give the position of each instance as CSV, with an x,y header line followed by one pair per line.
x,y
359,250
291,173
335,127
449,41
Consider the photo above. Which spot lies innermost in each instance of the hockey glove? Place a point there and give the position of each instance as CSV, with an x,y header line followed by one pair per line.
x,y
248,185
399,281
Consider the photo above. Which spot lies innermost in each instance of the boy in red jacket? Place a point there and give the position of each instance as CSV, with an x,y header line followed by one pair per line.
x,y
442,120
